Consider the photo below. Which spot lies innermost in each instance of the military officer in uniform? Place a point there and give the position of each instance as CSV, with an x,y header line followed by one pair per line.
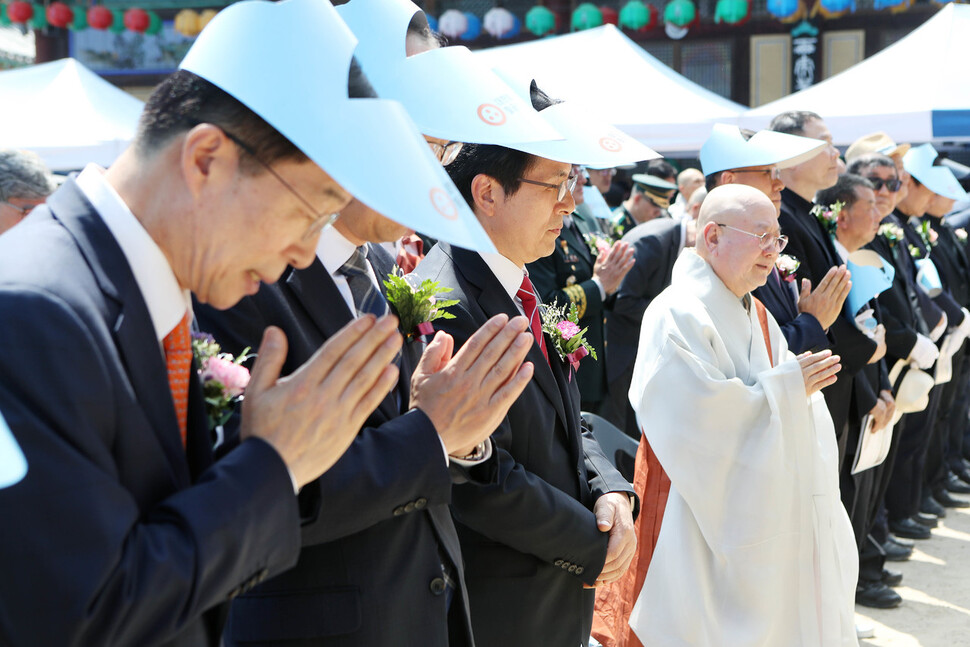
x,y
584,270
649,199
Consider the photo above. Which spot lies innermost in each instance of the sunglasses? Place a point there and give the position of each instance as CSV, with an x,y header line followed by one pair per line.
x,y
891,185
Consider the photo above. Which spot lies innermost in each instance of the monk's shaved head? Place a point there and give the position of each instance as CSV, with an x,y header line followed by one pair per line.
x,y
733,218
729,202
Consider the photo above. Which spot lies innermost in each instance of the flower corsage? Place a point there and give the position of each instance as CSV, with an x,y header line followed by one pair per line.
x,y
562,326
598,245
417,307
892,233
787,265
224,378
828,216
929,236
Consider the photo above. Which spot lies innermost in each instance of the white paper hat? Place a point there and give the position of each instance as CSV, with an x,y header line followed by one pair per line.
x,y
913,390
588,140
13,464
938,179
447,91
299,86
727,149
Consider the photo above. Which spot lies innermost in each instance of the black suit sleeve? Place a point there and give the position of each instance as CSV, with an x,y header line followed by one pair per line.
x,y
83,563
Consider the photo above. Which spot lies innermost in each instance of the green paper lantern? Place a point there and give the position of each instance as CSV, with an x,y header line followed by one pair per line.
x,y
117,21
732,12
80,22
39,21
4,18
154,24
540,21
680,13
635,15
586,16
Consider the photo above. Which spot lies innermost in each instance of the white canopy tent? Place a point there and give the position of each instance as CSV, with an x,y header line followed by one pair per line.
x,y
932,105
66,113
609,75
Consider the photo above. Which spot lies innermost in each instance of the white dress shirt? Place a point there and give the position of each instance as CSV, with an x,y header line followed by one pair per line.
x,y
334,250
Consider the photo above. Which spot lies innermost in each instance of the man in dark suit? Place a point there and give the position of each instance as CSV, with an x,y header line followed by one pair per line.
x,y
579,273
656,245
559,519
388,495
124,530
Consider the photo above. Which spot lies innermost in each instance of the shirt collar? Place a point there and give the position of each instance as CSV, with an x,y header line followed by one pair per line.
x,y
334,249
167,302
840,248
508,273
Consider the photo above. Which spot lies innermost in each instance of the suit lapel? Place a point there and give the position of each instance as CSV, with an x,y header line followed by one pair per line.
x,y
133,329
493,299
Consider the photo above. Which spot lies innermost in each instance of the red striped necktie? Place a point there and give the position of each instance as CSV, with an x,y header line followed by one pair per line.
x,y
527,294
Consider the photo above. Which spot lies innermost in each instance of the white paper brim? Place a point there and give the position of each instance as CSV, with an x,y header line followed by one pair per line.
x,y
450,94
369,146
726,149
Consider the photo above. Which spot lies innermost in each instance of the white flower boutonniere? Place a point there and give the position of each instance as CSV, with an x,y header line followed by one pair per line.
x,y
224,378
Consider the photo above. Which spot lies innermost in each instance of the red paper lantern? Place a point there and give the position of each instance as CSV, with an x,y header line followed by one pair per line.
x,y
610,15
100,17
137,20
20,11
59,14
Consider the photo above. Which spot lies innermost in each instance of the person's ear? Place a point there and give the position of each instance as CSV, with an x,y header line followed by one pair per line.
x,y
207,154
485,191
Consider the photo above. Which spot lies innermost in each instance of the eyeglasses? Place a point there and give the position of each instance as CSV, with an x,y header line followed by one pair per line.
x,y
23,210
564,187
319,220
891,185
774,173
446,153
765,241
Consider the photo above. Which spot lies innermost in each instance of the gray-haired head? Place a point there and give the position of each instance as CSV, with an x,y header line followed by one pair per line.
x,y
23,175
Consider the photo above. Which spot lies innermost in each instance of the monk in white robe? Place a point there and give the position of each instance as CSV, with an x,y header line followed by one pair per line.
x,y
755,548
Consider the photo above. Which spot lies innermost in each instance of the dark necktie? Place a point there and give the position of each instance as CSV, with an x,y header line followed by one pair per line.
x,y
527,294
367,298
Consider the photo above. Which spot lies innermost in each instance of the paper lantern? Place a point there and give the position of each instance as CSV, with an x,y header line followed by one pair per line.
x,y
474,29
100,17
154,24
834,8
680,13
80,21
136,20
637,16
453,23
20,11
39,19
540,21
187,23
205,17
586,16
732,12
610,15
59,14
498,22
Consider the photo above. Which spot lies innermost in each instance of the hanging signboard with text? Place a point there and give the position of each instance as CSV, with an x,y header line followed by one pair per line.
x,y
804,46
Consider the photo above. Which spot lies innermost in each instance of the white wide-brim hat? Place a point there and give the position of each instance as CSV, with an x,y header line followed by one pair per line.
x,y
727,149
913,389
918,162
299,86
447,91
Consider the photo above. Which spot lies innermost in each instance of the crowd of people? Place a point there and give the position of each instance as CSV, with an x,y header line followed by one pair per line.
x,y
257,387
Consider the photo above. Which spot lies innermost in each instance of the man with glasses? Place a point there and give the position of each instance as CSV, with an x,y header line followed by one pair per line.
x,y
24,183
754,546
126,529
579,273
559,519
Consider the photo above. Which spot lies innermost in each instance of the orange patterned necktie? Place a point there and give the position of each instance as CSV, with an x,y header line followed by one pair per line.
x,y
178,360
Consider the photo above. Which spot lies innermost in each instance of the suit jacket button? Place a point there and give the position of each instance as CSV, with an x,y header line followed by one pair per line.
x,y
566,565
438,586
398,511
579,570
409,507
420,503
572,568
558,562
235,592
